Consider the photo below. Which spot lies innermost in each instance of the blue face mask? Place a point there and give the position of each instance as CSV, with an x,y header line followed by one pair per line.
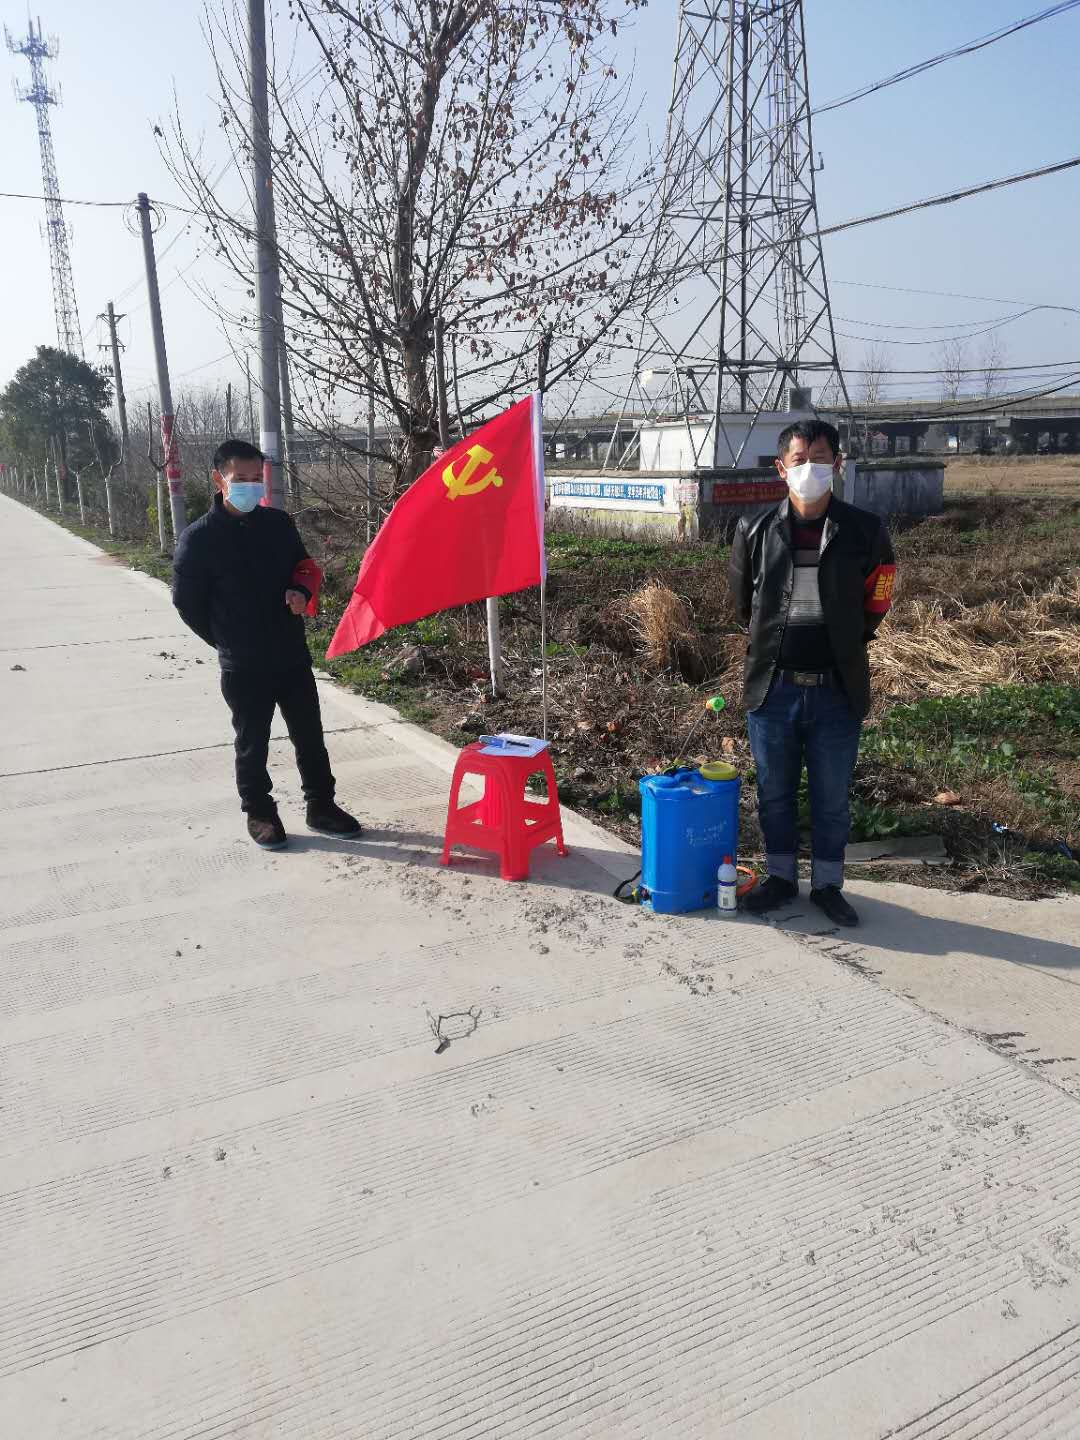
x,y
244,495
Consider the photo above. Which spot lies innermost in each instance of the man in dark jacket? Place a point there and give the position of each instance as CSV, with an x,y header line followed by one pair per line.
x,y
243,582
813,580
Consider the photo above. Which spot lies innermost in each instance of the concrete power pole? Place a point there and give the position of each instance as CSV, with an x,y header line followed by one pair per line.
x,y
110,317
267,298
169,442
292,480
251,400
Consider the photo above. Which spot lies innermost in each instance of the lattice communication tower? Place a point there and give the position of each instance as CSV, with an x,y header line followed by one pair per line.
x,y
37,50
753,329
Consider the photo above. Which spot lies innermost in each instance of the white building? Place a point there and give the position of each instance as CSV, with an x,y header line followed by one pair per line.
x,y
741,442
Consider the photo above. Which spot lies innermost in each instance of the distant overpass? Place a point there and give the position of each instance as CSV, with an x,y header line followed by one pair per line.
x,y
1048,425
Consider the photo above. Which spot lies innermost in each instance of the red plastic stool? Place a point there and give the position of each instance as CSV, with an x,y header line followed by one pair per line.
x,y
503,820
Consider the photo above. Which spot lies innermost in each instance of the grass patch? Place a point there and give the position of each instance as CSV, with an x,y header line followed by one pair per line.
x,y
1004,713
575,550
1056,870
368,671
1016,741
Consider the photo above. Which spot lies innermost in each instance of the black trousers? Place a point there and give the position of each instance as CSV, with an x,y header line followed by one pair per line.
x,y
252,696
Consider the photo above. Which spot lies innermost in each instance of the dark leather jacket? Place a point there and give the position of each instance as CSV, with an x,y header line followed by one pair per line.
x,y
855,578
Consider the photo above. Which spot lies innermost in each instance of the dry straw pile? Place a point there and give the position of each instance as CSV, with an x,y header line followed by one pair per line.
x,y
665,632
945,648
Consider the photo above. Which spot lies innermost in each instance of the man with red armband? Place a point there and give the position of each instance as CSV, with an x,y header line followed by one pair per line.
x,y
813,580
243,581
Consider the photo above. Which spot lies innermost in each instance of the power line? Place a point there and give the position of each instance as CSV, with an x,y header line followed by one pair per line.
x,y
954,295
952,196
1059,365
105,204
969,49
955,325
229,355
936,339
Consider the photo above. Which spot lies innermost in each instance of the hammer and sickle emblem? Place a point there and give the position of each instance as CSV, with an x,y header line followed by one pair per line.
x,y
463,483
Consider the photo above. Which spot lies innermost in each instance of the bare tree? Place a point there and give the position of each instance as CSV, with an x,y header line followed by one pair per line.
x,y
205,427
992,360
462,159
953,369
875,372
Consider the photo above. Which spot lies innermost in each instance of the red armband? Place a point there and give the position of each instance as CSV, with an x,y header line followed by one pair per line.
x,y
878,588
308,574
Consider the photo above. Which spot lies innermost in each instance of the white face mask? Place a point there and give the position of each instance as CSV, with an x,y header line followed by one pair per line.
x,y
809,482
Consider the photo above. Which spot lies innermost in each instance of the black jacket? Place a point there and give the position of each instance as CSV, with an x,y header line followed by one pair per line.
x,y
230,574
855,578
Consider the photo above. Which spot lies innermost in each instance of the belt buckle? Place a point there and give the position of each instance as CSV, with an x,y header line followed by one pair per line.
x,y
805,677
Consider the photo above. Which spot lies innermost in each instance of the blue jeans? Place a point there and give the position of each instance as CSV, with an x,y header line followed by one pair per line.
x,y
815,724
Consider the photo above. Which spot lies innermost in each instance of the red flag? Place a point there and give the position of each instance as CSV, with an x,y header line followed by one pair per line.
x,y
470,527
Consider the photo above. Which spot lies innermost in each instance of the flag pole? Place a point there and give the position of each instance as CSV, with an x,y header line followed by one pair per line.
x,y
492,603
541,384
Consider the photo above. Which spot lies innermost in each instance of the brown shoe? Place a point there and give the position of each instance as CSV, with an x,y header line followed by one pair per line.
x,y
330,819
267,832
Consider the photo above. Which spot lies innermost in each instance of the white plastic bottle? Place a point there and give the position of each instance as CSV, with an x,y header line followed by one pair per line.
x,y
726,881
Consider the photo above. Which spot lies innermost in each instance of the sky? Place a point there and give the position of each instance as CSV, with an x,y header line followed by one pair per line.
x,y
1009,108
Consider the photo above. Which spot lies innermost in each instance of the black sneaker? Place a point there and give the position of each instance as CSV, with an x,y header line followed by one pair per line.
x,y
771,893
830,899
330,819
267,831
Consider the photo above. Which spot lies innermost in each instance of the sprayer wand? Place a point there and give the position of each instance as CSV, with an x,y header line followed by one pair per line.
x,y
715,704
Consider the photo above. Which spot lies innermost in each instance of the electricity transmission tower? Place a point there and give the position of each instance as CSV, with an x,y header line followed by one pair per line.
x,y
37,50
752,331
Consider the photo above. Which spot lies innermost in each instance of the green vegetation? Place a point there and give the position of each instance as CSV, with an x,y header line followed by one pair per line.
x,y
996,711
572,550
1011,733
1056,869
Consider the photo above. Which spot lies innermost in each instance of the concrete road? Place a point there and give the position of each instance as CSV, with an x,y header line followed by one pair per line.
x,y
670,1177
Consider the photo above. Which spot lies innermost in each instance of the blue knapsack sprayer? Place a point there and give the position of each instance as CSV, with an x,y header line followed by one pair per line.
x,y
689,836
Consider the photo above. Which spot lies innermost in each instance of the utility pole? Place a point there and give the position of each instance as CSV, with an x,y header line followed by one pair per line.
x,y
110,317
292,483
267,282
251,400
169,442
58,479
158,467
